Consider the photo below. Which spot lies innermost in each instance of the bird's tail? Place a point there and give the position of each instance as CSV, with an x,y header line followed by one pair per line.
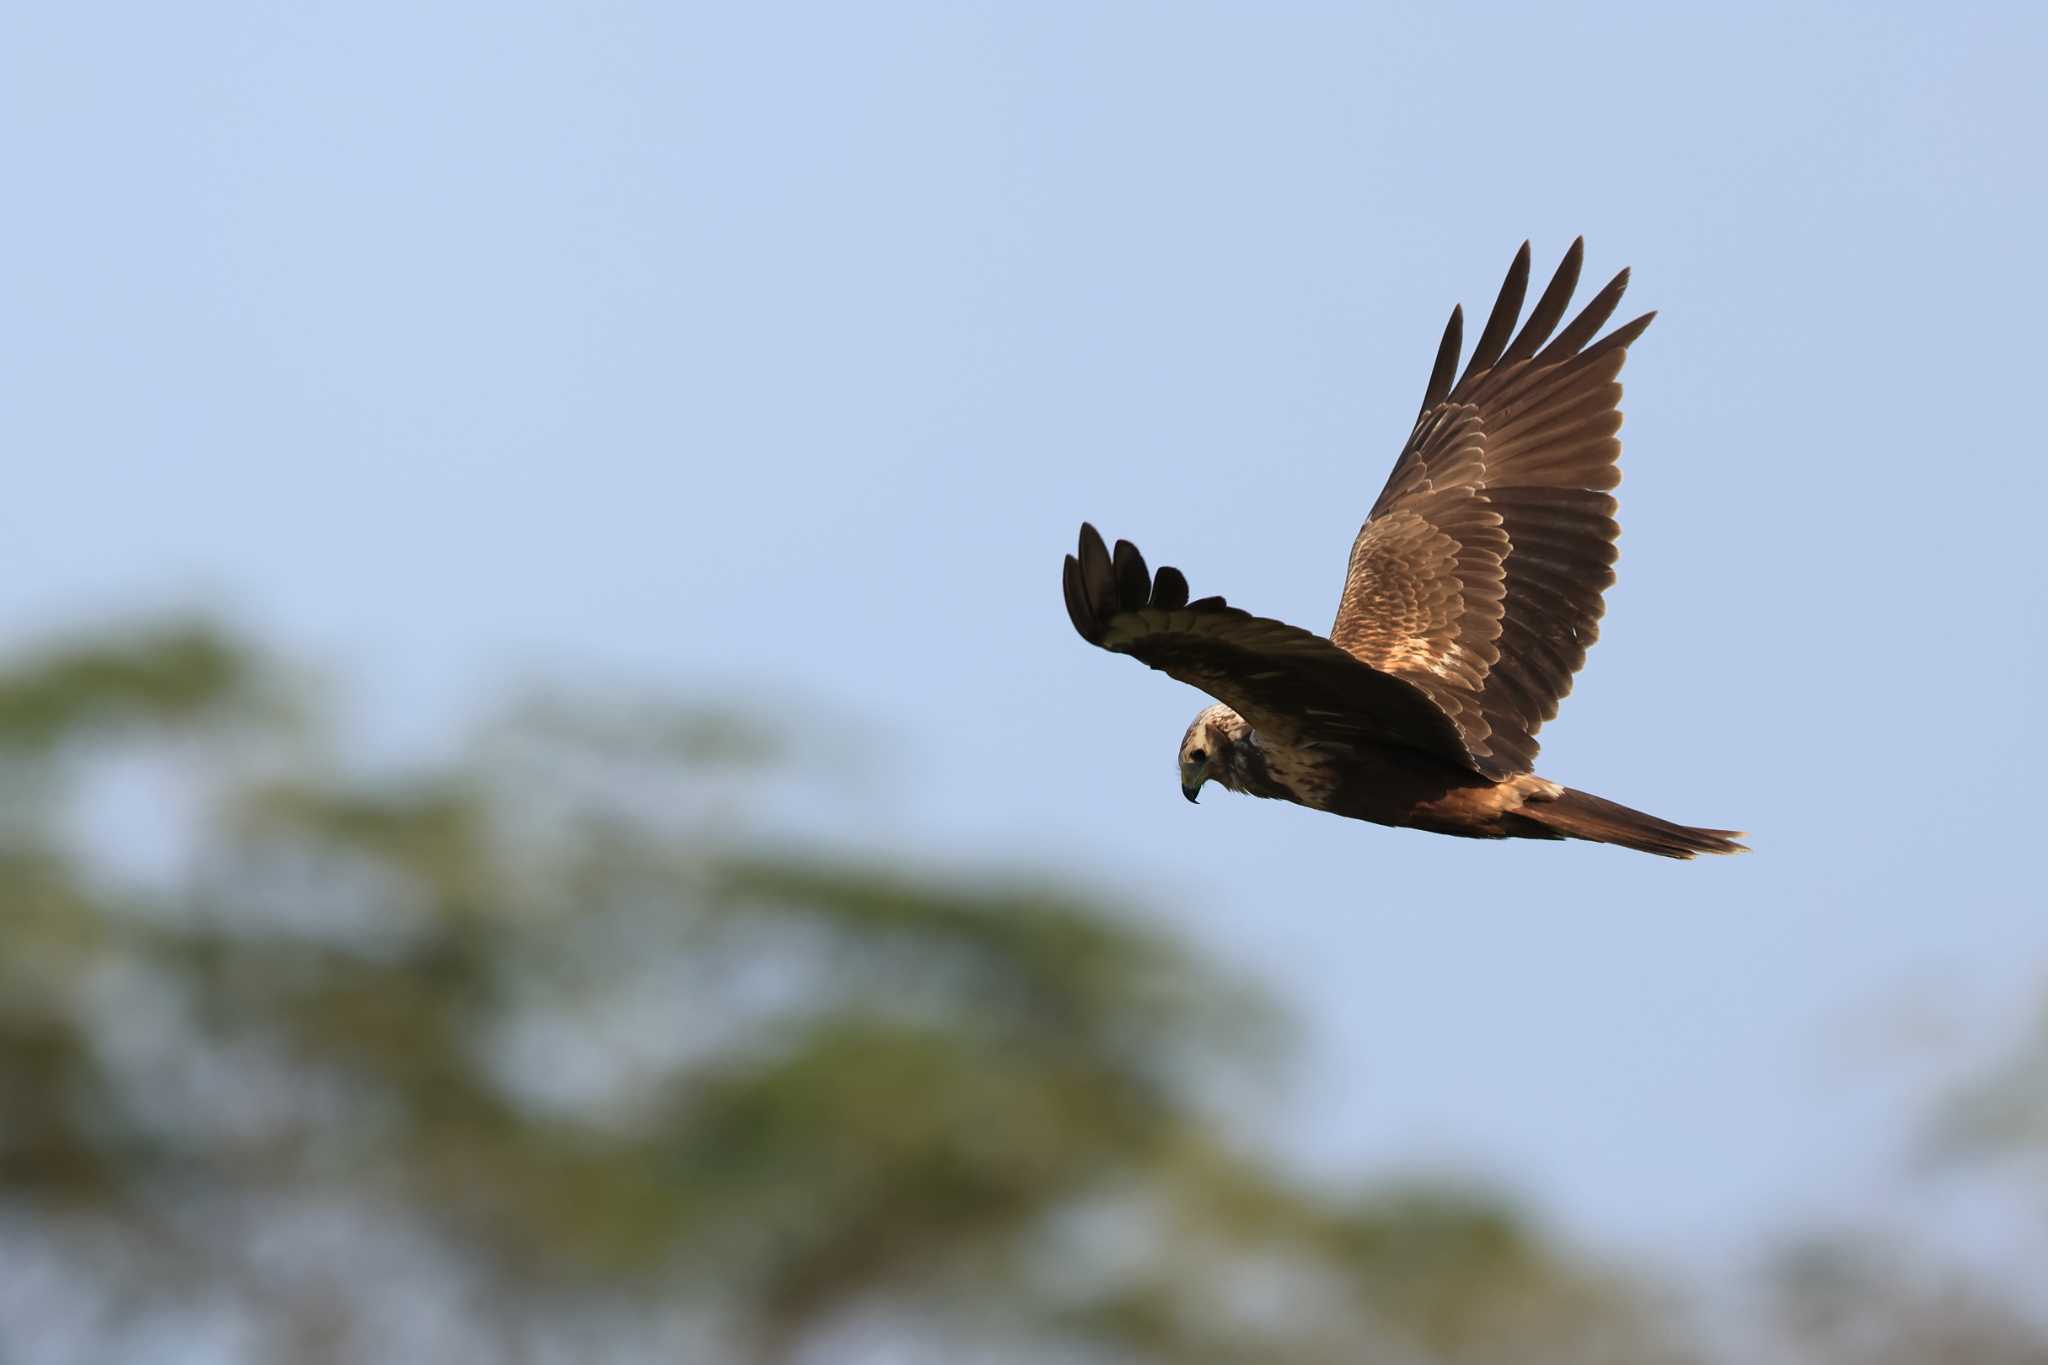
x,y
1581,815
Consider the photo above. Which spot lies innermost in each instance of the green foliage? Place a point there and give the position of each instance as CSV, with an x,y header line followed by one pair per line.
x,y
677,1080
169,675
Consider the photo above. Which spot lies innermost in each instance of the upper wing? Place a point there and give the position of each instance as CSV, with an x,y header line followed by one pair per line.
x,y
1479,572
1293,685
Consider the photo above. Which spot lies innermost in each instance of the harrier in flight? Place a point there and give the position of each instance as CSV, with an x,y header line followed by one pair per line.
x,y
1473,592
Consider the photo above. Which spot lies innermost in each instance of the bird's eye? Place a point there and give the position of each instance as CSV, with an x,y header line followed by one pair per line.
x,y
1197,756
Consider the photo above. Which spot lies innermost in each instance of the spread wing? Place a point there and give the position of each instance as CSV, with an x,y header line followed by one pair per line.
x,y
1289,683
1478,574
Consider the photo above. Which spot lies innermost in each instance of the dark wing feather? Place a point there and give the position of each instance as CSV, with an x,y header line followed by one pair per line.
x,y
1501,321
1289,683
1478,575
1446,362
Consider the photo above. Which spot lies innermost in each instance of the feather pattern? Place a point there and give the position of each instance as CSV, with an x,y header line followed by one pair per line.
x,y
1479,573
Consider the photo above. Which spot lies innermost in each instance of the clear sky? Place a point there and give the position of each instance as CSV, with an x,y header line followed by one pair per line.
x,y
780,351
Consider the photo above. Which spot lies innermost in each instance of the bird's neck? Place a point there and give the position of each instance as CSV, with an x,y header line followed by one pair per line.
x,y
1247,768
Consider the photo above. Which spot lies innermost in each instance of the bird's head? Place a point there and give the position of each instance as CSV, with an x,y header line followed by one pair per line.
x,y
1209,749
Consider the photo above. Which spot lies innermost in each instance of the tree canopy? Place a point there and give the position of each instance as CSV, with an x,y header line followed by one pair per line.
x,y
500,1056
554,1046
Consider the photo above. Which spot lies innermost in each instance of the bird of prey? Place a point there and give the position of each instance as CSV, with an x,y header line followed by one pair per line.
x,y
1473,592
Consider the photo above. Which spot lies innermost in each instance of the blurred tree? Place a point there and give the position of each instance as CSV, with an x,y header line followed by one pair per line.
x,y
1853,1302
1882,1296
2002,1115
502,1059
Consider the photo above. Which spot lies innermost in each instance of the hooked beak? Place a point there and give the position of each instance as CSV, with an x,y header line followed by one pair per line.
x,y
1191,793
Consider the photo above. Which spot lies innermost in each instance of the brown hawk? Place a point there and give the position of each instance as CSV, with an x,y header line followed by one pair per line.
x,y
1473,592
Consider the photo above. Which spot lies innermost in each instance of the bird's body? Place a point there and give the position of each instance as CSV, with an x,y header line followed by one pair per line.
x,y
1410,789
1472,592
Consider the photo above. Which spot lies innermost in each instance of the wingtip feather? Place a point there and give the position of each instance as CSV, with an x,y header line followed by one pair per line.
x,y
1077,601
1556,296
1169,588
1133,579
1500,323
1446,366
1582,328
1098,573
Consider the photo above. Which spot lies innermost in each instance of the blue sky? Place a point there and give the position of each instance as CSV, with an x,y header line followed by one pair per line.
x,y
776,352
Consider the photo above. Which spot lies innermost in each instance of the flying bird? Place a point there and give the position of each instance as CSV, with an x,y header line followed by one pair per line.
x,y
1473,591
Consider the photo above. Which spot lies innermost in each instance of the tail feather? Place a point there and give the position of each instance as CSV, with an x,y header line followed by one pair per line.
x,y
1581,815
